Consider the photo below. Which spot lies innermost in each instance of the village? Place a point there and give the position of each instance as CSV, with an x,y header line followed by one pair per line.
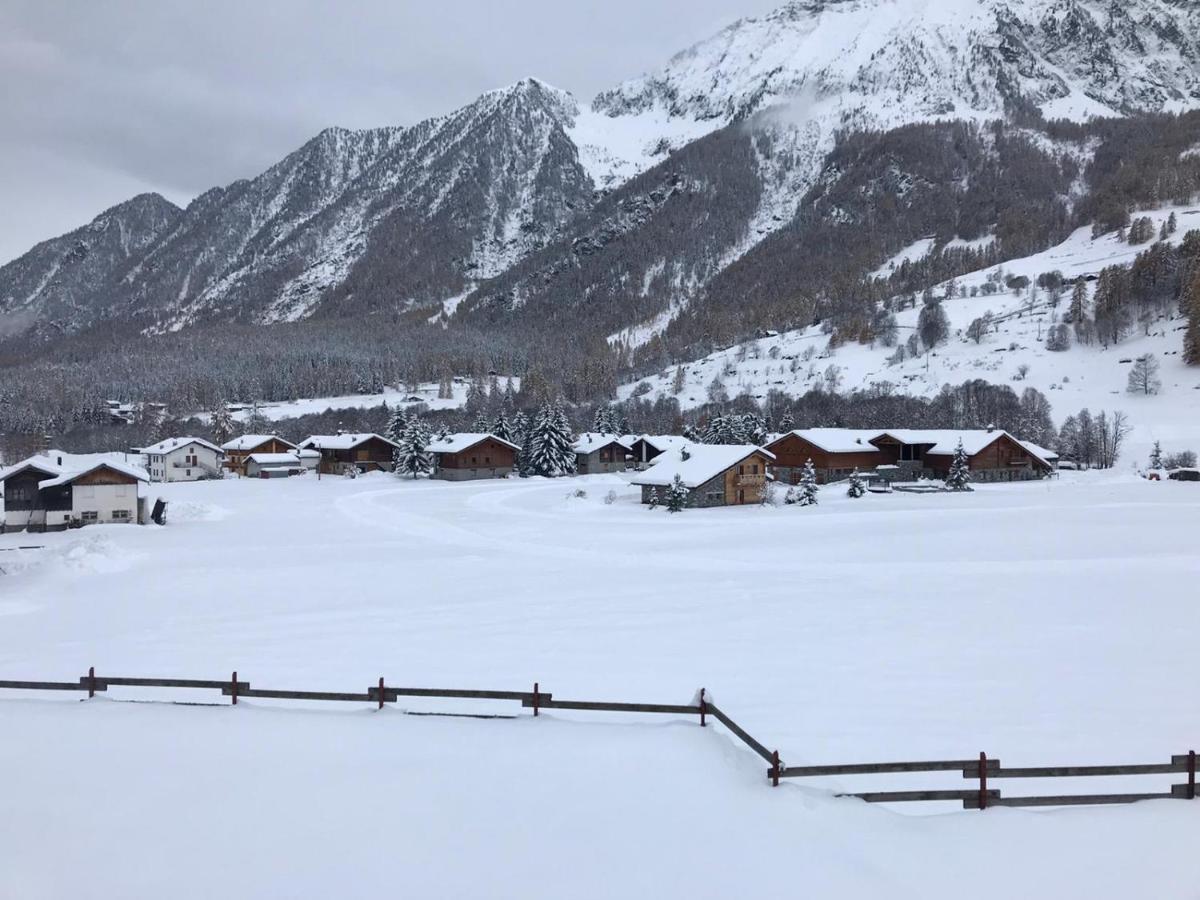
x,y
57,490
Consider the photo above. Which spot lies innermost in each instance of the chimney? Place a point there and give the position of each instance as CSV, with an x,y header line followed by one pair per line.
x,y
991,428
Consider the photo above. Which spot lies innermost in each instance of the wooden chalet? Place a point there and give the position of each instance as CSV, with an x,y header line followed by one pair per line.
x,y
345,453
472,455
714,474
600,453
993,455
240,448
835,453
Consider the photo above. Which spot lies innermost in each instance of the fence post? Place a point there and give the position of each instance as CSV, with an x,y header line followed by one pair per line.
x,y
703,707
535,698
982,780
1191,792
381,692
91,682
775,769
233,692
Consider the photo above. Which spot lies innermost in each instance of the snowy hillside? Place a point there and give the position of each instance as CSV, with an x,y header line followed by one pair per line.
x,y
425,393
795,362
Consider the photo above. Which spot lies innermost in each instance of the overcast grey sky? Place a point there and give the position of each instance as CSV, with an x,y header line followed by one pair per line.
x,y
103,99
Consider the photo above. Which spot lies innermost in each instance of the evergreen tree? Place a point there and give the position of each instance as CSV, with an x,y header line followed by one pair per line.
x,y
690,432
1156,457
1078,311
397,425
413,454
655,500
481,424
808,485
856,488
1189,304
525,455
959,478
677,495
551,453
501,427
787,422
221,423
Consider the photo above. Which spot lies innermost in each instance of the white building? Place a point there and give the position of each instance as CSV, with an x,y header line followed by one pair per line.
x,y
41,496
183,459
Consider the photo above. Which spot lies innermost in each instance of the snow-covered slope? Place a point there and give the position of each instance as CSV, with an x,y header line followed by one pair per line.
x,y
795,362
884,61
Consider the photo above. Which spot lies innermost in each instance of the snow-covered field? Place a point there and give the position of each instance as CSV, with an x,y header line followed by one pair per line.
x,y
1046,623
426,393
797,361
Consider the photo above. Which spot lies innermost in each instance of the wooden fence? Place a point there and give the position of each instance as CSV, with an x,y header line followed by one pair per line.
x,y
983,770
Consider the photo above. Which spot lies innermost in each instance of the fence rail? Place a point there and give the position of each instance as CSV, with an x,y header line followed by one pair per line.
x,y
983,770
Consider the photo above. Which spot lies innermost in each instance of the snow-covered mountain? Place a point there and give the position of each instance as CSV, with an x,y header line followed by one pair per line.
x,y
474,209
879,62
55,284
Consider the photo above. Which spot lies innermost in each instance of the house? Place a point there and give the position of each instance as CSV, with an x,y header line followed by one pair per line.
x,y
237,450
468,456
1051,458
41,496
648,447
835,453
183,459
993,455
282,465
600,453
343,453
714,474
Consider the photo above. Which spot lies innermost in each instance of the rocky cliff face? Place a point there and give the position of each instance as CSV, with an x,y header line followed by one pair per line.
x,y
53,287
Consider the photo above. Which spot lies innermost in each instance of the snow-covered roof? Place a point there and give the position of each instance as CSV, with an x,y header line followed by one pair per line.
x,y
341,441
704,462
664,442
166,446
836,440
282,459
457,443
136,472
250,441
943,442
591,441
1040,452
40,463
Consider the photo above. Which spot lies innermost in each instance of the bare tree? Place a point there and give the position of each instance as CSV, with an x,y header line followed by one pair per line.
x,y
1143,377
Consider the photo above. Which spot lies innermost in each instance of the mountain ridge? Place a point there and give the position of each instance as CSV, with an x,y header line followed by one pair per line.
x,y
438,216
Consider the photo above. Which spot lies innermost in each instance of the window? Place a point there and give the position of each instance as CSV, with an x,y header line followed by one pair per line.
x,y
741,470
474,460
89,516
18,493
121,515
754,469
122,490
